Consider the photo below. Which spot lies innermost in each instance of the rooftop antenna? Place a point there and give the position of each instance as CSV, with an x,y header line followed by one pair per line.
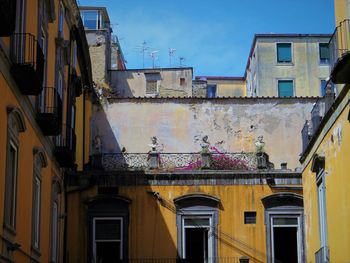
x,y
182,59
154,56
144,49
171,54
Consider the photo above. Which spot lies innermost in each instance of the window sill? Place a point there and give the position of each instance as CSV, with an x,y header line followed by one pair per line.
x,y
284,64
9,230
35,251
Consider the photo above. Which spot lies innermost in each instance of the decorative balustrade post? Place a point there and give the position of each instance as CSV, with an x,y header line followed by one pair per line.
x,y
153,160
206,160
263,160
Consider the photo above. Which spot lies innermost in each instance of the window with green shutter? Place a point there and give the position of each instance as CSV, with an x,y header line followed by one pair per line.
x,y
285,88
324,53
284,52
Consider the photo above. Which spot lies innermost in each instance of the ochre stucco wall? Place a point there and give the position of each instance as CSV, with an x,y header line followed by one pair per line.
x,y
152,227
335,146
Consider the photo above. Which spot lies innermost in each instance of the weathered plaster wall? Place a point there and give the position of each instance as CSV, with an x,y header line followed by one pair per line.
x,y
305,69
231,124
100,55
132,83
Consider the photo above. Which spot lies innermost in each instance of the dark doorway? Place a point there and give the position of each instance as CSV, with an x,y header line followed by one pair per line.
x,y
196,245
285,244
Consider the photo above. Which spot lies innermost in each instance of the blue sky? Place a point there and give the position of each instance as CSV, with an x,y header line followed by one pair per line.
x,y
213,37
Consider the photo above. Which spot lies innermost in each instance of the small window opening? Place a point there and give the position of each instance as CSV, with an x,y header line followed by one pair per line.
x,y
250,217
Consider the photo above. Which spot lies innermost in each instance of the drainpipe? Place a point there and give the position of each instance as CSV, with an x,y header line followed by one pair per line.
x,y
84,91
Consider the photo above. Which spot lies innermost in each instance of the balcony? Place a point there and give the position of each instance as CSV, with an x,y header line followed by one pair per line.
x,y
176,161
27,63
65,144
7,17
339,47
49,111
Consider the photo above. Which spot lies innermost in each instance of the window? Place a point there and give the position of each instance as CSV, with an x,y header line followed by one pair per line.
x,y
249,217
43,45
321,197
284,52
15,125
211,91
324,53
92,19
36,211
197,221
61,20
182,81
11,185
152,83
108,220
40,161
285,88
286,238
107,239
55,238
54,232
284,227
323,87
20,8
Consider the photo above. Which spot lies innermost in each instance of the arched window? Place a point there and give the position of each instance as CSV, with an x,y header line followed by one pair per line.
x,y
197,220
40,162
284,227
15,125
55,214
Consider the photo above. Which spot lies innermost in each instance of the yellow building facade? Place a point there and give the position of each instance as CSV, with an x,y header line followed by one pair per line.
x,y
44,65
325,159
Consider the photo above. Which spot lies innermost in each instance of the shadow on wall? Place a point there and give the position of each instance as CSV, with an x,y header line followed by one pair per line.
x,y
120,83
103,138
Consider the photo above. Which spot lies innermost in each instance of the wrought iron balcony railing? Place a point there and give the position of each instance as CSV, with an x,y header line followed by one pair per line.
x,y
65,145
49,111
7,17
27,63
180,260
178,161
339,46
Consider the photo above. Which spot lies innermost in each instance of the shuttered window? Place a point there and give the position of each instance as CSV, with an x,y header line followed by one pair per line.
x,y
285,88
108,239
324,53
284,52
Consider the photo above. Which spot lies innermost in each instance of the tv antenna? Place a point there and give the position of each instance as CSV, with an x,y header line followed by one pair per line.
x,y
171,54
182,59
153,56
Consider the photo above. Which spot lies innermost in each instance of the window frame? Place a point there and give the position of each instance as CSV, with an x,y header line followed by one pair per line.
x,y
322,207
323,62
96,218
293,87
283,205
108,206
11,196
291,53
99,19
197,206
15,126
61,20
36,210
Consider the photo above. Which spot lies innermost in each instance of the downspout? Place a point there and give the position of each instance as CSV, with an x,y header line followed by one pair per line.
x,y
84,90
